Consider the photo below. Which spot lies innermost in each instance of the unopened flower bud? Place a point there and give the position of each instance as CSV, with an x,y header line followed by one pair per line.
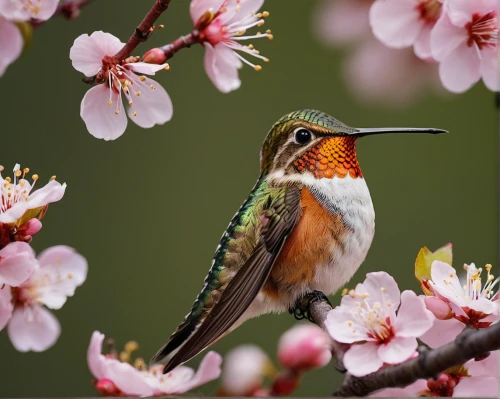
x,y
154,56
285,384
106,387
304,347
438,307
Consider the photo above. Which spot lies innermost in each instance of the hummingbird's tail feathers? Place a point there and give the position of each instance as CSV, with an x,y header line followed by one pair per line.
x,y
180,336
248,281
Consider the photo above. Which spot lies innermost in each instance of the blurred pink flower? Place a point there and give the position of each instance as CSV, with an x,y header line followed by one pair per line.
x,y
475,378
31,327
244,370
304,347
122,379
17,264
11,44
465,41
18,203
367,318
471,304
342,22
101,109
222,24
376,74
404,23
25,10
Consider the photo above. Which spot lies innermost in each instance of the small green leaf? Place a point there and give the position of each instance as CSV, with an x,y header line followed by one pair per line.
x,y
424,261
26,30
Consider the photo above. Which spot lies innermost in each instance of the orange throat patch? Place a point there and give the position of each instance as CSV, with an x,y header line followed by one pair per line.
x,y
333,156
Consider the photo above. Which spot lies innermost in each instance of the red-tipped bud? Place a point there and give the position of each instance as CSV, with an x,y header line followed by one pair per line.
x,y
106,387
154,56
438,307
304,347
285,384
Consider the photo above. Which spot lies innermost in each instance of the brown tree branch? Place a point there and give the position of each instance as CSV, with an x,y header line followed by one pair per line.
x,y
470,344
182,42
143,31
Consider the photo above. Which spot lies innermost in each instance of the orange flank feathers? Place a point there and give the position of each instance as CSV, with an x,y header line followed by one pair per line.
x,y
333,156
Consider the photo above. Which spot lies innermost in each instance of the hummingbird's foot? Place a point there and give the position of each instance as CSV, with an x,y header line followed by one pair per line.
x,y
302,308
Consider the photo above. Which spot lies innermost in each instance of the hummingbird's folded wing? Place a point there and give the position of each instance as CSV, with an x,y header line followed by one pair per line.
x,y
281,216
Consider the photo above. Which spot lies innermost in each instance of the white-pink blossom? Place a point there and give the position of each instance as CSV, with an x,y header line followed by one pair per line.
x,y
11,43
18,199
17,264
245,368
31,326
304,347
222,24
465,42
102,109
26,10
131,381
367,319
404,23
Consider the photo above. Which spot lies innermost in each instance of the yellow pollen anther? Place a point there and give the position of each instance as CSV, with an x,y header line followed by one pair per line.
x,y
265,14
153,87
250,46
352,293
140,364
344,291
134,114
8,180
34,177
268,31
117,111
143,78
488,267
349,323
18,173
257,67
110,102
452,275
167,67
124,357
266,59
53,177
131,346
130,103
1,168
70,276
261,23
127,82
137,93
270,37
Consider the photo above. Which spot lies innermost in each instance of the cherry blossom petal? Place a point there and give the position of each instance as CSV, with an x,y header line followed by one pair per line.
x,y
221,66
489,68
209,370
100,118
422,46
33,329
486,368
362,359
483,305
17,264
439,307
6,306
24,10
397,350
442,332
87,51
152,107
144,67
446,37
446,283
469,387
198,7
47,8
62,269
381,287
11,44
461,11
460,70
396,23
241,9
342,22
344,327
413,318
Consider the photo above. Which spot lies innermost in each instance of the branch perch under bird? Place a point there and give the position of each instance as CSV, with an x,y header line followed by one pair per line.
x,y
470,344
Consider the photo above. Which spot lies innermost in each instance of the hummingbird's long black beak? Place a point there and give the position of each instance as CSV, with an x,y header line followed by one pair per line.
x,y
361,132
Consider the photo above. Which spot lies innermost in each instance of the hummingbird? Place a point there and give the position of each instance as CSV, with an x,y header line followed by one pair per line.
x,y
304,230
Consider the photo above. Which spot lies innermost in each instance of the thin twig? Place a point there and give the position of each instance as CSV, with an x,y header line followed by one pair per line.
x,y
143,31
182,42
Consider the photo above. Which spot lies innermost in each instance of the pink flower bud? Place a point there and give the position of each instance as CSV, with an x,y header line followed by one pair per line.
x,y
154,56
304,347
31,227
438,307
106,387
285,384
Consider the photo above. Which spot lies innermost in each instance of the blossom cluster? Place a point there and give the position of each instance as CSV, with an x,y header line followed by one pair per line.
x,y
28,284
420,42
13,13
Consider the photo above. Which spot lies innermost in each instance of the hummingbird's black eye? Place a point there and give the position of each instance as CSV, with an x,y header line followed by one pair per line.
x,y
303,136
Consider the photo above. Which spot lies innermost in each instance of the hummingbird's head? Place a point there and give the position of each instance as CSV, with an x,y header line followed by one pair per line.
x,y
313,143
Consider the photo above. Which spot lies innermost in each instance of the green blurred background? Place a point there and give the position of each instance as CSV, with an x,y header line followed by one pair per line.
x,y
147,210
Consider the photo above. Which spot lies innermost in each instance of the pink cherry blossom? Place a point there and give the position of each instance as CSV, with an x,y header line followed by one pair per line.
x,y
379,75
25,10
148,103
244,371
122,379
465,41
342,22
404,23
18,199
32,327
439,308
17,264
303,347
367,319
222,24
11,43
